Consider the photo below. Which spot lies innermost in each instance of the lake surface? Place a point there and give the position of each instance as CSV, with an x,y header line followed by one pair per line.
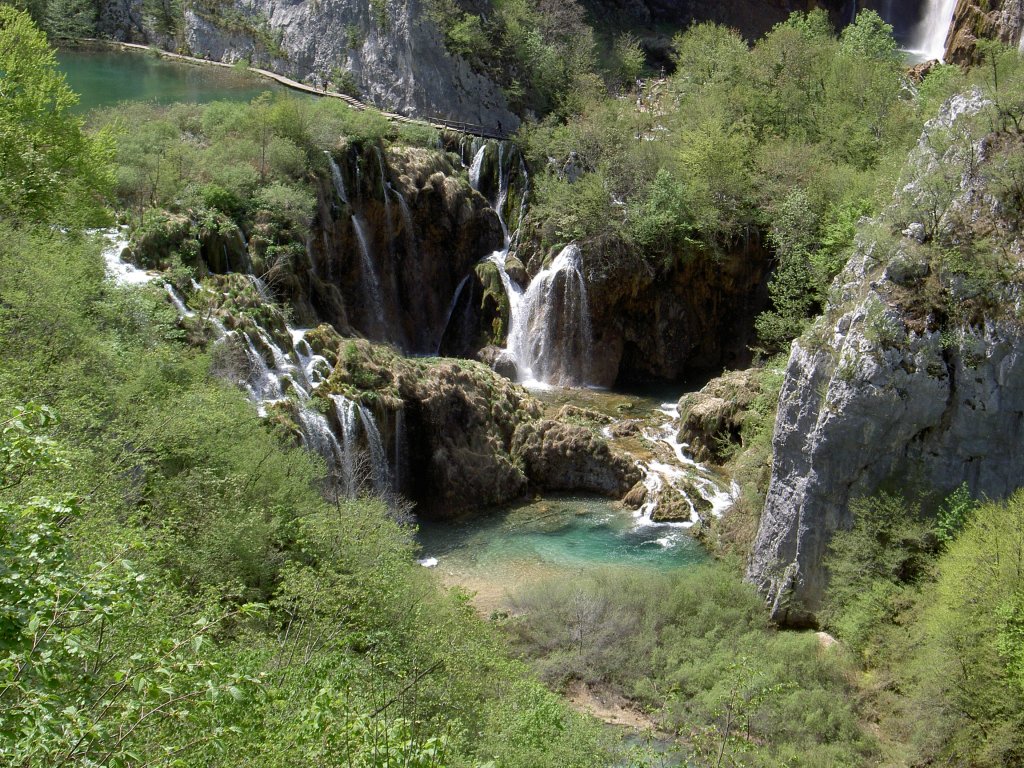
x,y
105,78
498,552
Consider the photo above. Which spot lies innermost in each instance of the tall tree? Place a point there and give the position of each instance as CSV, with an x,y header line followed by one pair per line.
x,y
50,169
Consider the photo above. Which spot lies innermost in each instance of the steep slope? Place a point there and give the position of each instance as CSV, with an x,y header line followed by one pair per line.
x,y
913,377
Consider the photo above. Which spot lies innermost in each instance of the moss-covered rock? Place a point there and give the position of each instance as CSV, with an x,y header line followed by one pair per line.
x,y
711,420
559,456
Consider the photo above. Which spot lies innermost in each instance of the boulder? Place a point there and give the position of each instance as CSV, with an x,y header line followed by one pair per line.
x,y
566,457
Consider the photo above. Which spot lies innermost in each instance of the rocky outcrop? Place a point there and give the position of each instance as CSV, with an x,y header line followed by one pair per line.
x,y
472,438
388,50
397,250
564,457
974,20
914,376
711,420
697,316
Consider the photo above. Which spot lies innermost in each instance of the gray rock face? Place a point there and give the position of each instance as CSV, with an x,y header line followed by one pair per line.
x,y
1001,20
395,54
121,20
873,394
856,414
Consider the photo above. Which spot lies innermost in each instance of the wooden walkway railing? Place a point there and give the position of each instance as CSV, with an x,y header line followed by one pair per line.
x,y
440,123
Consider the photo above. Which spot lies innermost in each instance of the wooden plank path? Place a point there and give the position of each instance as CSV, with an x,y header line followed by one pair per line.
x,y
438,123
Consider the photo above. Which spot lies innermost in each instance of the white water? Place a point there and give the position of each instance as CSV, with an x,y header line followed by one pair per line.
x,y
371,283
347,412
352,418
178,301
475,168
680,473
121,272
549,335
336,177
929,37
378,456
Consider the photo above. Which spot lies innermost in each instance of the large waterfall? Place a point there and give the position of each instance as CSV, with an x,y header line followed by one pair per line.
x,y
549,334
929,36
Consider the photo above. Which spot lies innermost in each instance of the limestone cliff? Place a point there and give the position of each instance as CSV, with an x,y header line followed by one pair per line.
x,y
914,376
392,53
1001,20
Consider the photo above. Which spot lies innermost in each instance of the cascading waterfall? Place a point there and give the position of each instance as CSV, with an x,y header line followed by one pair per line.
x,y
337,178
550,333
549,329
371,282
318,436
929,37
400,450
351,415
477,167
178,301
290,374
451,310
347,412
378,456
370,279
410,234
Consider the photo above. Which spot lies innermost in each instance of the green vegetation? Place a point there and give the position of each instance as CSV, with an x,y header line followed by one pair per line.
x,y
48,166
696,649
192,174
539,52
795,138
178,584
175,586
933,611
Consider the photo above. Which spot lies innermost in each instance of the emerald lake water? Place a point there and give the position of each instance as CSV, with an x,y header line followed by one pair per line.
x,y
498,552
105,78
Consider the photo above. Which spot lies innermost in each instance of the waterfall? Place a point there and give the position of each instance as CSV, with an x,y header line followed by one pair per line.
x,y
410,233
339,182
399,458
451,309
317,436
549,335
351,416
371,283
347,412
384,185
178,301
929,36
378,456
263,385
476,167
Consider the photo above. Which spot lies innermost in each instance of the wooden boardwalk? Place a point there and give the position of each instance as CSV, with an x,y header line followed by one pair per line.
x,y
438,123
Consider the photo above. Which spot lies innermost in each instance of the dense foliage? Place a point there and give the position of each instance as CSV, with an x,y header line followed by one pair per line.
x,y
792,140
695,647
47,164
933,611
176,586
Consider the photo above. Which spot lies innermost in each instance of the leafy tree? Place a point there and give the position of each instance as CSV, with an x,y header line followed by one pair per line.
x,y
629,57
871,37
49,168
